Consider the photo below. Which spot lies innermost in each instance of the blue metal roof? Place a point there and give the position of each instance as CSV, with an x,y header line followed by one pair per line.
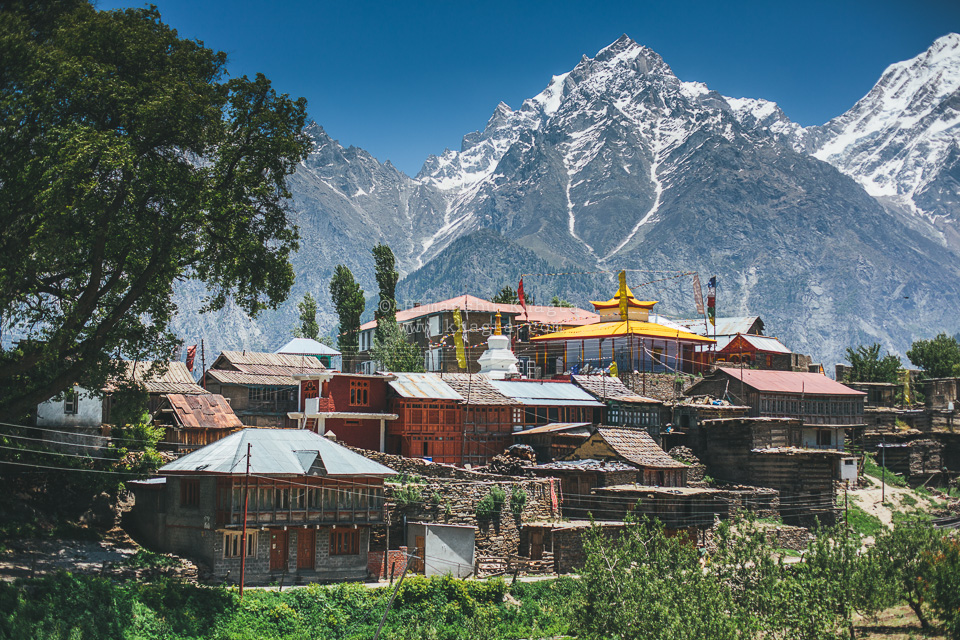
x,y
545,393
278,452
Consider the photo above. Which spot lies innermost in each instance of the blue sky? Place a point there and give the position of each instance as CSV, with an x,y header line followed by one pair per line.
x,y
407,79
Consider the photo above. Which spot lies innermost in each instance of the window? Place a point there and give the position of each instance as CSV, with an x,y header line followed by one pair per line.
x,y
360,393
824,438
345,542
231,544
71,401
189,493
281,498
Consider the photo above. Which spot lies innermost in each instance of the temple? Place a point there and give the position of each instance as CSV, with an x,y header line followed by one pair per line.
x,y
626,335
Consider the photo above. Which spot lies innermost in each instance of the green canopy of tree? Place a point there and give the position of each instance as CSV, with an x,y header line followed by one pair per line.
x,y
557,301
939,357
308,318
387,277
392,352
129,162
348,301
508,295
866,365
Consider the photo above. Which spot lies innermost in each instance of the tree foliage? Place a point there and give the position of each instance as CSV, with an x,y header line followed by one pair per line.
x,y
557,301
308,318
387,277
391,350
866,365
348,301
128,162
508,295
939,357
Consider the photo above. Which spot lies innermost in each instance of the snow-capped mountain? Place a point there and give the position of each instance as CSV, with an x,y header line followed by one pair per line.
x,y
620,164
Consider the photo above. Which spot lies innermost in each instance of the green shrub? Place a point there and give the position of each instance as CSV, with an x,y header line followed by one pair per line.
x,y
518,500
491,504
408,495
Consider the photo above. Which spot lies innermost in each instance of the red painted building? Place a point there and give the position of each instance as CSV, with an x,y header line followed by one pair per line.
x,y
430,423
350,405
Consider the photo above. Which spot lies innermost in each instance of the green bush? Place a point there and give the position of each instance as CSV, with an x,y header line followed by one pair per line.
x,y
408,495
518,500
491,504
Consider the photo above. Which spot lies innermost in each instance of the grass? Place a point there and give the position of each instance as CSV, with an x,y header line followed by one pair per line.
x,y
862,522
871,468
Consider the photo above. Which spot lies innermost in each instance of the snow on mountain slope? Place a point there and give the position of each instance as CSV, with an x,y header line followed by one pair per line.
x,y
900,140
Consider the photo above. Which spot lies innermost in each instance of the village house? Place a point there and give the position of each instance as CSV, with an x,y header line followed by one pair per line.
x,y
429,423
741,339
554,441
430,327
634,447
827,408
624,407
487,417
193,421
352,407
260,387
638,342
307,506
579,478
543,402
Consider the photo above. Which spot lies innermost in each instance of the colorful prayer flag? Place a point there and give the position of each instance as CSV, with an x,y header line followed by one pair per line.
x,y
458,339
523,302
698,294
622,295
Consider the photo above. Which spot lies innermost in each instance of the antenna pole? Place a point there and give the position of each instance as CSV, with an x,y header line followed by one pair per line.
x,y
203,364
243,538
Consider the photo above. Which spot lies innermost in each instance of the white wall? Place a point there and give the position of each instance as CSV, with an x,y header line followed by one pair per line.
x,y
89,412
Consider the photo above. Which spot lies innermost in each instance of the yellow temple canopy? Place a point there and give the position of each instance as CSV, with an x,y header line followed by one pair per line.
x,y
631,302
624,328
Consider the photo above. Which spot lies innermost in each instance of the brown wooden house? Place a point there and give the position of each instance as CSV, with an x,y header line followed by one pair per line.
x,y
430,421
488,417
194,421
637,448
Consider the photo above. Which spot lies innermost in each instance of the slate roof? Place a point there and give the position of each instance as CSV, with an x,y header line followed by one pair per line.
x,y
587,464
423,385
277,452
255,368
611,388
790,382
207,411
528,392
476,389
636,446
176,379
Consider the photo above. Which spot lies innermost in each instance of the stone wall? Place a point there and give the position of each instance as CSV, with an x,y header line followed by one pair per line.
x,y
662,386
425,468
457,504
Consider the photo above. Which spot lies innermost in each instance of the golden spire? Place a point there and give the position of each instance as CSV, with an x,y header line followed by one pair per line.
x,y
498,331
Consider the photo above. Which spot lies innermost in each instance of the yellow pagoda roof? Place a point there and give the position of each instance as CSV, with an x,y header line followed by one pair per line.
x,y
623,328
631,302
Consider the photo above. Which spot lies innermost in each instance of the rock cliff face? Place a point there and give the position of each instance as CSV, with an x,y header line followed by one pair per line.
x,y
836,235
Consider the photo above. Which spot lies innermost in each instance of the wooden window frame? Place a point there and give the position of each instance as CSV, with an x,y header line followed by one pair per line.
x,y
231,541
345,542
71,402
189,493
360,393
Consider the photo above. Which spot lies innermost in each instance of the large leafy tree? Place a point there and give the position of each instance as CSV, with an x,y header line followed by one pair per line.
x,y
348,301
390,347
385,268
308,318
866,365
939,357
128,162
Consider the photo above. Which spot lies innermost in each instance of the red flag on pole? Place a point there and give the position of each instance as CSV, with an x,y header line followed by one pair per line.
x,y
191,355
523,302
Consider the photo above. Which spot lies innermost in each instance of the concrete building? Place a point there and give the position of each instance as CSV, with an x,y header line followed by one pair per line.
x,y
308,518
442,549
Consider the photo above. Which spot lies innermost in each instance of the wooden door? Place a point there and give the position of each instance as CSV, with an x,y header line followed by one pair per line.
x,y
418,565
536,544
278,549
306,549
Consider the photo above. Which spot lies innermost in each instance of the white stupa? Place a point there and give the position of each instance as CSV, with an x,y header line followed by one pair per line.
x,y
498,360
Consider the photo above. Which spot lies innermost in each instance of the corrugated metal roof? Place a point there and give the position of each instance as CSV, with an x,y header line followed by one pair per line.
x,y
207,411
790,382
761,343
623,328
306,346
636,446
255,368
250,379
277,452
725,326
571,316
423,385
545,393
555,427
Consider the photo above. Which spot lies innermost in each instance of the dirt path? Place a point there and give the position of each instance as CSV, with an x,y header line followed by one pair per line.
x,y
868,499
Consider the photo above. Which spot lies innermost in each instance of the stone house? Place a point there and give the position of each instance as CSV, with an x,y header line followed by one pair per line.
x,y
556,440
579,478
310,506
634,447
260,387
624,407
